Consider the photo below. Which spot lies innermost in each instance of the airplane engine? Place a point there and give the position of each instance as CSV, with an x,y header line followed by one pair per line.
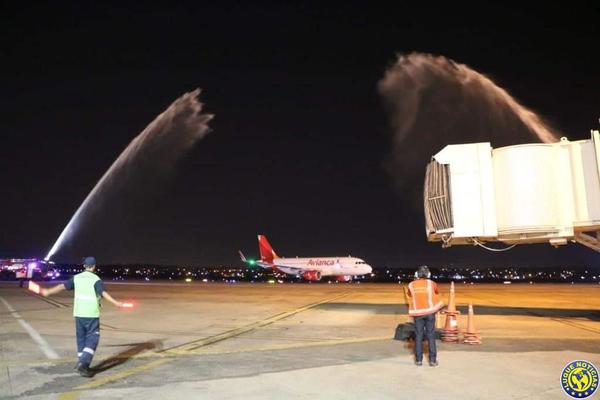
x,y
343,278
312,275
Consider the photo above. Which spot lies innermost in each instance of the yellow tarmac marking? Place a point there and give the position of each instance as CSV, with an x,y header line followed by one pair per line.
x,y
73,394
575,324
354,340
186,349
294,345
68,396
247,328
204,351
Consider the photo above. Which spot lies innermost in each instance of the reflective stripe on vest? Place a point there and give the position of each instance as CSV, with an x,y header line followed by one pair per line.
x,y
87,304
424,300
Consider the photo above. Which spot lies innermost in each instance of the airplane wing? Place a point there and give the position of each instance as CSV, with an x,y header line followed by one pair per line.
x,y
293,271
264,264
281,268
251,262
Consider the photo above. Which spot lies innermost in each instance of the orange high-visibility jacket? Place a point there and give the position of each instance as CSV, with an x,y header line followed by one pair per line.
x,y
424,298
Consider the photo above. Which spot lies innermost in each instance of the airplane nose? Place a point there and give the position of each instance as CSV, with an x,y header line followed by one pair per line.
x,y
369,269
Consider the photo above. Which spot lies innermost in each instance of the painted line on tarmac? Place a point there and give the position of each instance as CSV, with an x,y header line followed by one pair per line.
x,y
74,394
574,324
204,351
196,344
330,342
35,336
184,350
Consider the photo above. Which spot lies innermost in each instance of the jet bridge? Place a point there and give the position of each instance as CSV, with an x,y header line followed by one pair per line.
x,y
529,193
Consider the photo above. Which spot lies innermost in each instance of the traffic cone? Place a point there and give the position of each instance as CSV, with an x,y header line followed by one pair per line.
x,y
450,331
451,308
471,336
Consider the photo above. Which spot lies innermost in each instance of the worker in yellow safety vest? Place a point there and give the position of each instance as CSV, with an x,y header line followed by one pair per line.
x,y
423,303
86,310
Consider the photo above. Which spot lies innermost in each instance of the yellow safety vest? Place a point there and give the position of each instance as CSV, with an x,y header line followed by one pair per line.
x,y
86,304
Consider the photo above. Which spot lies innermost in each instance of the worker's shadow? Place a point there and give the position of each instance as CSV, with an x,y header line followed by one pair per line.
x,y
126,355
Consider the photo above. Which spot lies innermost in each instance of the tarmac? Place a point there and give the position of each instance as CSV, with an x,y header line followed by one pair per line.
x,y
294,341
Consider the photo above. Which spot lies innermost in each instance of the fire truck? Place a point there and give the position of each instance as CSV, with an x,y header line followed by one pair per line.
x,y
24,269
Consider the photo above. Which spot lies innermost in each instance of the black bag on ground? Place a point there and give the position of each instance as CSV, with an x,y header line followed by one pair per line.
x,y
406,331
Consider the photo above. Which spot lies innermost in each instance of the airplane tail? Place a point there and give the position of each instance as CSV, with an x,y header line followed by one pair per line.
x,y
267,254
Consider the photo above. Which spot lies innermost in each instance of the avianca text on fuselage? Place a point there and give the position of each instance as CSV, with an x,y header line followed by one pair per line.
x,y
322,262
313,268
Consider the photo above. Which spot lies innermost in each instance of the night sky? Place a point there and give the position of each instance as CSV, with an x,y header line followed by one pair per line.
x,y
300,137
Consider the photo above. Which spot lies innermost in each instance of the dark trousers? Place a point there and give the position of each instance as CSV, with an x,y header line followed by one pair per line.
x,y
425,326
88,336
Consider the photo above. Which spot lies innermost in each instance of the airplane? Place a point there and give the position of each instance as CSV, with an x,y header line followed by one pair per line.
x,y
311,269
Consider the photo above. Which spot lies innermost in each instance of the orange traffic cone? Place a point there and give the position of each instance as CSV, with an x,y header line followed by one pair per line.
x,y
472,335
450,331
451,308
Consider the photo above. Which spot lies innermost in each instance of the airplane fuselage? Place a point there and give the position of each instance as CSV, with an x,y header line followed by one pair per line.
x,y
327,266
309,268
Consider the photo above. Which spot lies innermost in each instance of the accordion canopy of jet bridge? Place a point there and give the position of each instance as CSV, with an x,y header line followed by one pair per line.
x,y
529,193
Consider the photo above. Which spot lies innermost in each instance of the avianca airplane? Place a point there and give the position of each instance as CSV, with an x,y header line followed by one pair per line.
x,y
311,269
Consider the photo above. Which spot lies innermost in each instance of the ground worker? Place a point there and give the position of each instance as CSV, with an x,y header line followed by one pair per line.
x,y
423,303
86,309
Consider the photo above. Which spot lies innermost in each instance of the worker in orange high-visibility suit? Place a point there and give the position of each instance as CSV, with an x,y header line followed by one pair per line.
x,y
423,303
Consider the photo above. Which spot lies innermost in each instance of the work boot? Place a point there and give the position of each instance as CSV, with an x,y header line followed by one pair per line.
x,y
84,371
418,363
433,363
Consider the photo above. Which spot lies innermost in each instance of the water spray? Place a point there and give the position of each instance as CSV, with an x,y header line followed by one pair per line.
x,y
168,137
433,101
418,82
